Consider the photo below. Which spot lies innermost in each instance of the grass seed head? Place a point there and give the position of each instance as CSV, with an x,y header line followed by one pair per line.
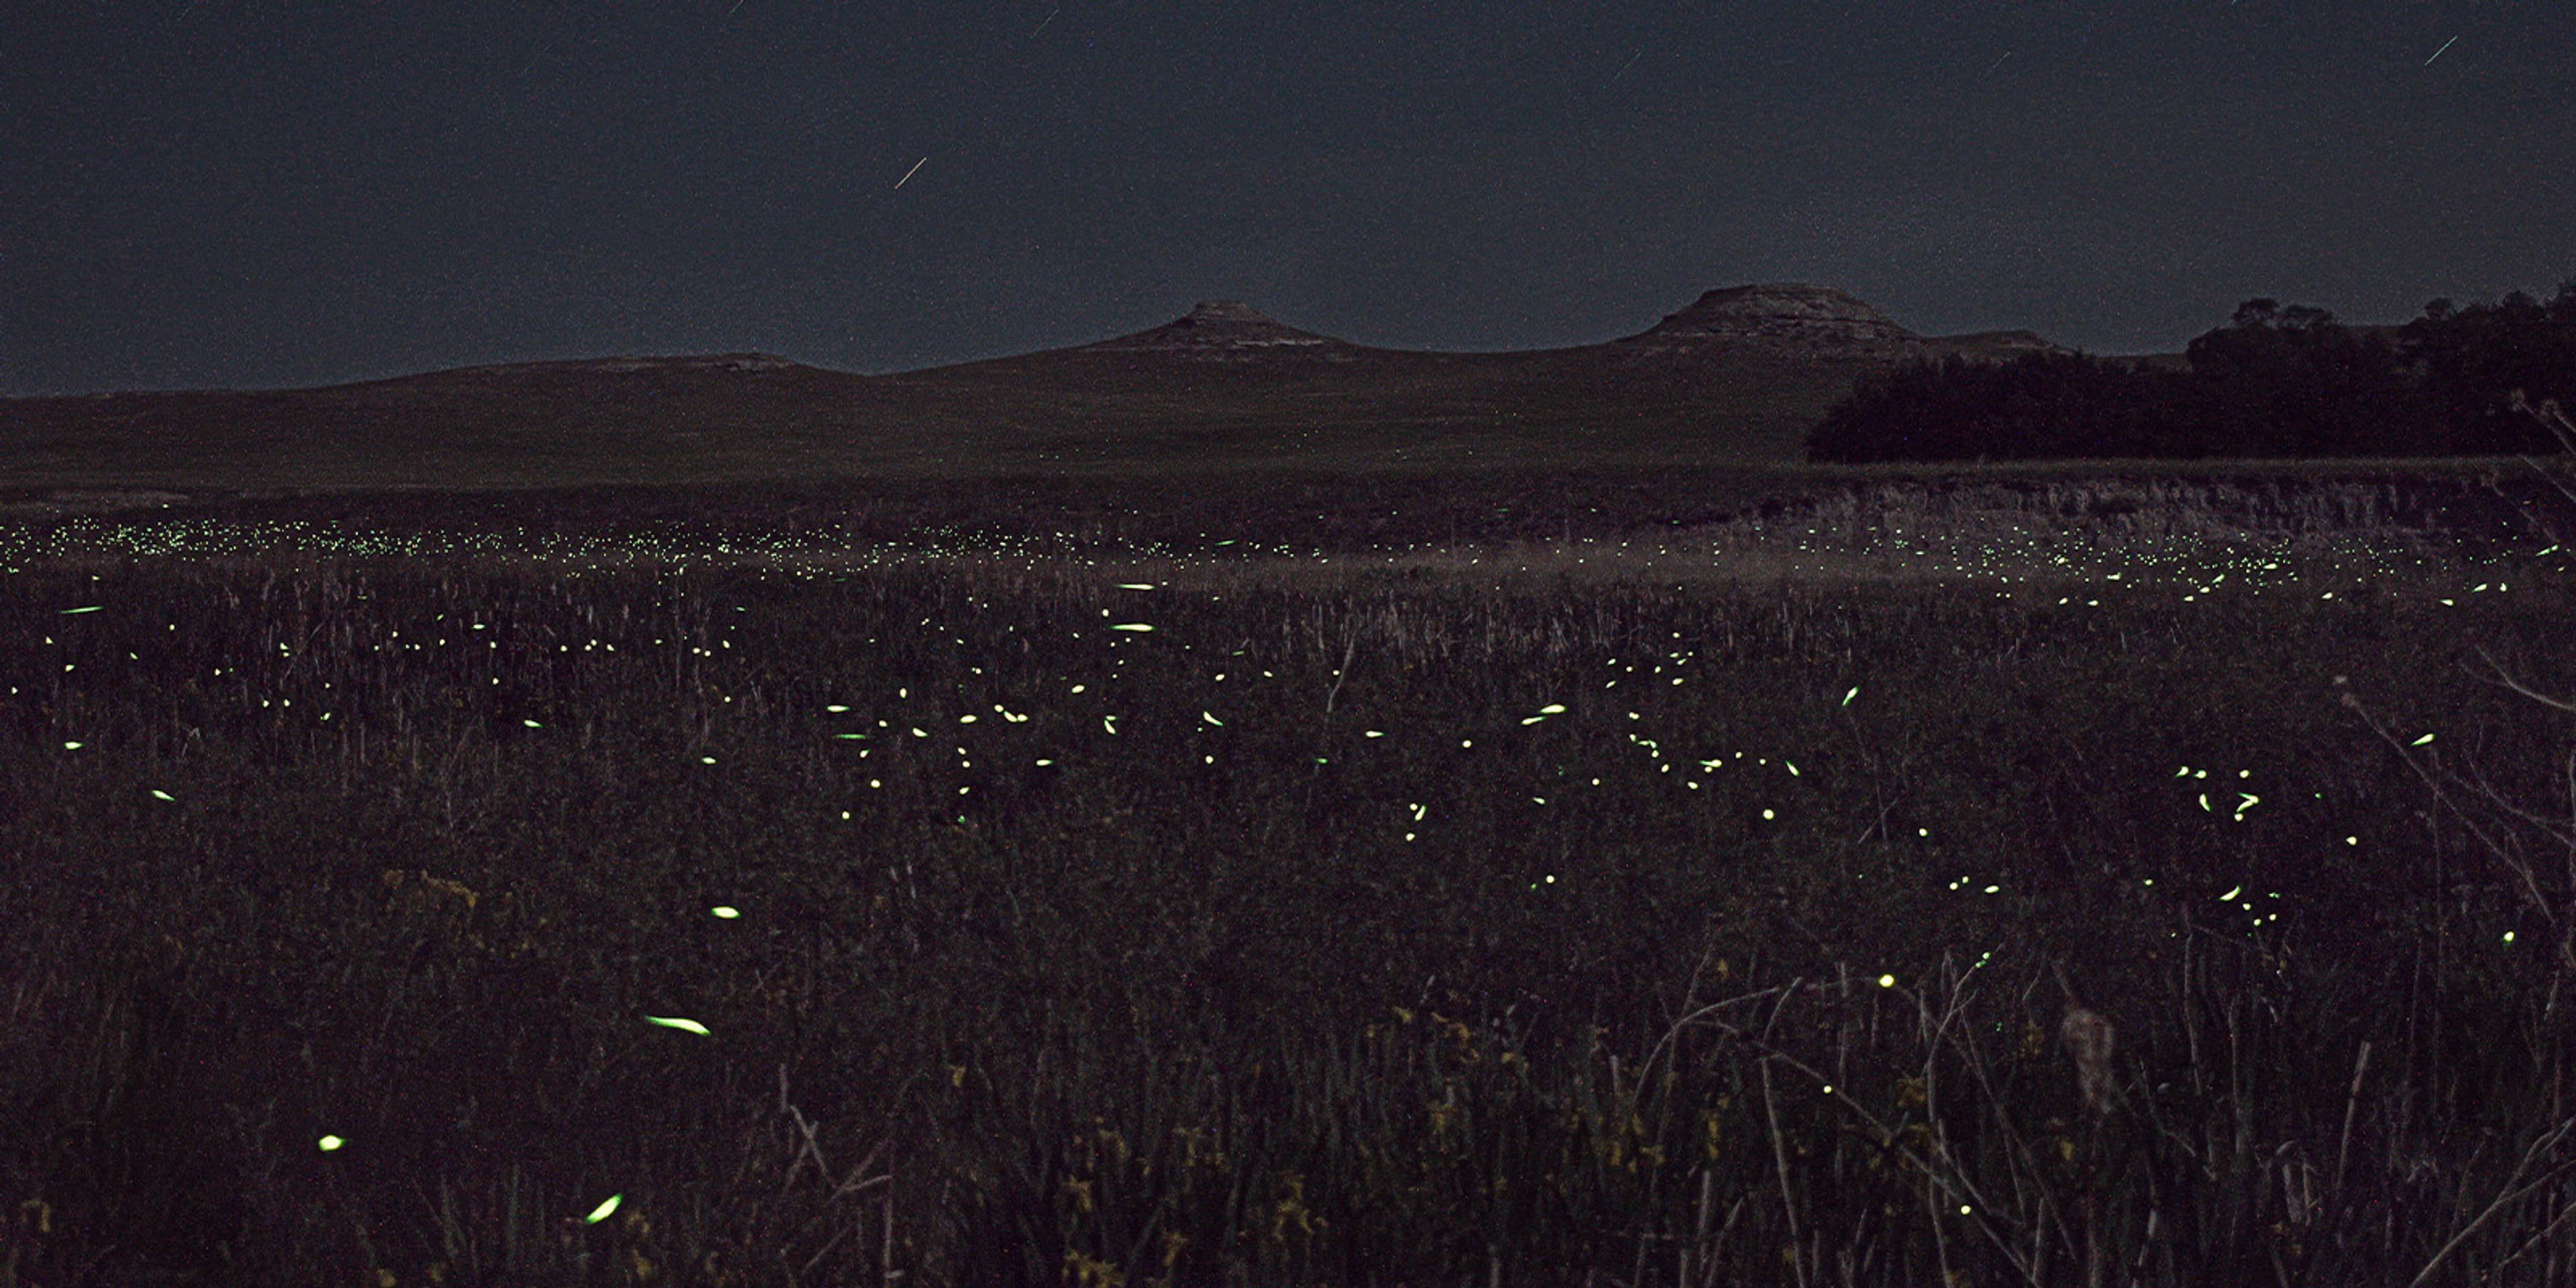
x,y
2089,1040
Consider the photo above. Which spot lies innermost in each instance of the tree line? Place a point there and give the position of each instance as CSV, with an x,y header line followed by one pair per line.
x,y
2275,382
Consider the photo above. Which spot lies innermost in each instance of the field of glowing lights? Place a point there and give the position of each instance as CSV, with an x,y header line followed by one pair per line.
x,y
723,904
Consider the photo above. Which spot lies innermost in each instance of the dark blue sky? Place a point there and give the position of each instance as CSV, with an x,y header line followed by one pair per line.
x,y
248,193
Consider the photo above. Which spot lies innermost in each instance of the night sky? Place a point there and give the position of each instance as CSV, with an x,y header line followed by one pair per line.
x,y
256,193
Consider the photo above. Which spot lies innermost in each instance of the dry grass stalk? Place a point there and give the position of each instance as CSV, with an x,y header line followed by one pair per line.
x,y
2089,1039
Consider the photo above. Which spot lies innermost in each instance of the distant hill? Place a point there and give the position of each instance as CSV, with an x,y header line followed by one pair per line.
x,y
1734,378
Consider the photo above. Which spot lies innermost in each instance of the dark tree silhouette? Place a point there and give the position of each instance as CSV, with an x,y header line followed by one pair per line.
x,y
2037,406
2277,381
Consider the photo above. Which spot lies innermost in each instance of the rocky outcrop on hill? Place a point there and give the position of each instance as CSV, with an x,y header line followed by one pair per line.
x,y
1815,322
1227,331
1784,312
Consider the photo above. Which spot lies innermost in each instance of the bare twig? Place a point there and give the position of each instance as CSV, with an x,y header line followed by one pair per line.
x,y
2343,1152
2515,685
1705,1012
1948,1177
1350,649
2534,1241
1780,1157
2556,422
2512,861
809,1148
2510,1195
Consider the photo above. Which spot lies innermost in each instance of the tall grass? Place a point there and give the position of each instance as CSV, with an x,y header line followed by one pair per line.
x,y
1242,994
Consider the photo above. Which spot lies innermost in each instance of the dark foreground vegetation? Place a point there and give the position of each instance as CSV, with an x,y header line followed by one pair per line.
x,y
2013,921
2274,383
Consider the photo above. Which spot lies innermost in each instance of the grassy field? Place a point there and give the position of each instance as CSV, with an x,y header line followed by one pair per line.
x,y
1055,413
2009,876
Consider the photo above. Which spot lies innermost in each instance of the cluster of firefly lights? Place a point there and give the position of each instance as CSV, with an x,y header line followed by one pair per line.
x,y
2011,553
1419,812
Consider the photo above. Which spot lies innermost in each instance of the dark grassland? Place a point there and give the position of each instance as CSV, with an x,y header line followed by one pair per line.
x,y
1715,897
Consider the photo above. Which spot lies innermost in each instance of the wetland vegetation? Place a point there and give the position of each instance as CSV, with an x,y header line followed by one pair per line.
x,y
2035,879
